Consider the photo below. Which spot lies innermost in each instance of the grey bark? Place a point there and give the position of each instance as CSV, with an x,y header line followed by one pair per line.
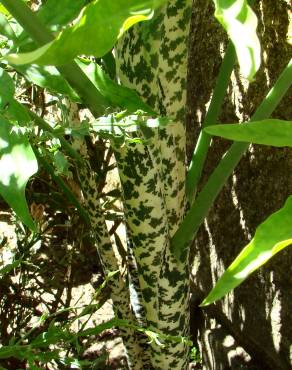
x,y
251,328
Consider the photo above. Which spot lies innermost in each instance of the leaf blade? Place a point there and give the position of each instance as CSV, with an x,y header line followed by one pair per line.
x,y
100,25
273,235
17,165
58,13
49,78
117,95
5,28
8,105
240,22
271,132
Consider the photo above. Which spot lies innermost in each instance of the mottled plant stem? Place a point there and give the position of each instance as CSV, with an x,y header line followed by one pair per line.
x,y
152,58
136,355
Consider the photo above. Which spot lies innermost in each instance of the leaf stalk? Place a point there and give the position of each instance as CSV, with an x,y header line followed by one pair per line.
x,y
204,140
199,210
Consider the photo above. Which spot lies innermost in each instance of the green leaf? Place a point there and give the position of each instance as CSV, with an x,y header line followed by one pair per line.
x,y
61,163
10,351
117,95
3,10
5,28
52,336
98,329
274,234
49,78
10,266
74,363
240,22
54,14
272,132
8,105
33,366
101,24
44,76
6,88
25,352
58,13
17,165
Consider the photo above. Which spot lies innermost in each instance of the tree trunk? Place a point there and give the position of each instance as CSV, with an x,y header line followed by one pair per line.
x,y
250,328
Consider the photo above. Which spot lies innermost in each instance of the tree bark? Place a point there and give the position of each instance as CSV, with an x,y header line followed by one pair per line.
x,y
251,327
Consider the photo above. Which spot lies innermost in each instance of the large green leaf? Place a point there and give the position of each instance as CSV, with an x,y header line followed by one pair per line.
x,y
274,234
117,95
272,132
17,165
44,76
58,13
48,77
240,22
101,24
54,14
